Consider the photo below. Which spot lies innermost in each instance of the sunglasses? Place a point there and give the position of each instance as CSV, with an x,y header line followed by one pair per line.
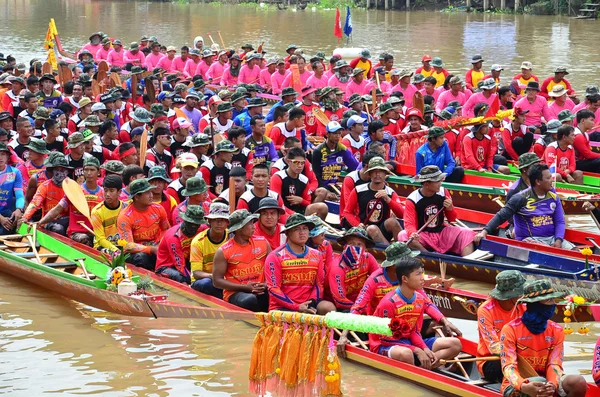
x,y
298,162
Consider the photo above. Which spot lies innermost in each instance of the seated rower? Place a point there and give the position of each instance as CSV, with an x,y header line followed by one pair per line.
x,y
11,193
478,151
142,224
269,212
500,309
432,199
173,256
317,241
537,212
407,304
104,215
157,176
371,205
562,155
238,265
540,342
251,198
354,179
237,175
195,193
436,152
295,273
204,247
526,160
347,276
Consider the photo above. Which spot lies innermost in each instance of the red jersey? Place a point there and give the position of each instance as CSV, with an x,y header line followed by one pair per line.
x,y
28,169
582,146
279,133
477,153
357,147
142,229
375,288
276,239
174,251
310,121
245,263
93,198
564,159
294,279
346,280
393,128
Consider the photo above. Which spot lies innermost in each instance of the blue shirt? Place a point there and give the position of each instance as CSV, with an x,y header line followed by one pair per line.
x,y
441,157
11,191
243,120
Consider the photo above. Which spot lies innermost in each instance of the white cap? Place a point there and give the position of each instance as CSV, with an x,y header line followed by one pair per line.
x,y
355,120
333,126
98,106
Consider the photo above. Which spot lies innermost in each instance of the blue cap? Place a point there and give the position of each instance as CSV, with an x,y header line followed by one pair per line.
x,y
333,126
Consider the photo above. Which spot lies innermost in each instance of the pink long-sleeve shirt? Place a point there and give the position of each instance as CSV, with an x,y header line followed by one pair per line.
x,y
537,110
227,79
116,58
152,60
190,68
335,82
408,92
277,82
215,72
202,69
353,88
264,79
287,82
345,282
138,59
316,82
249,76
166,64
101,54
469,106
178,64
446,97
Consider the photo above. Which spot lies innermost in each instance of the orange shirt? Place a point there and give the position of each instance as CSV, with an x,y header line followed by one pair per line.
x,y
47,197
490,320
543,351
245,263
142,229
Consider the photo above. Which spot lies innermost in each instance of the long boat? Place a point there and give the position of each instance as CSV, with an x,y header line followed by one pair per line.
x,y
61,268
441,381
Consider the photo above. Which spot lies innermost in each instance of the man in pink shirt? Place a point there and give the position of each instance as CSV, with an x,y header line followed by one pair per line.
x,y
357,85
536,104
264,79
179,62
134,57
318,79
304,74
429,88
115,56
277,77
386,87
340,78
102,53
154,57
560,103
166,63
487,95
405,87
215,71
231,73
204,65
95,43
192,63
250,71
331,71
591,101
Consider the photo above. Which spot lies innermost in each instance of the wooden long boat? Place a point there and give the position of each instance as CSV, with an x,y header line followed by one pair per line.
x,y
59,270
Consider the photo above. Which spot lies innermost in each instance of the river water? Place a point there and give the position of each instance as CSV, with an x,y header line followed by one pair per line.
x,y
49,345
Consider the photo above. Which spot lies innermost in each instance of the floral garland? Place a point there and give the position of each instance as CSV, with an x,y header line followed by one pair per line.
x,y
572,303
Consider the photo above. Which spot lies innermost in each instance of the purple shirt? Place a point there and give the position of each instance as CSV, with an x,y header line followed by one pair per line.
x,y
194,116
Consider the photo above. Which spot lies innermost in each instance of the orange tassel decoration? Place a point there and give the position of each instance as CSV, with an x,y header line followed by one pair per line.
x,y
256,375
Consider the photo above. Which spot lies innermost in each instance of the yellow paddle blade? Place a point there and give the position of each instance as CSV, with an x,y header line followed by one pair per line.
x,y
76,197
525,369
321,116
143,148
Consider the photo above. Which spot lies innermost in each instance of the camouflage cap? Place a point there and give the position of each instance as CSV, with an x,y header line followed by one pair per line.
x,y
509,285
224,107
139,186
75,140
114,167
141,115
158,172
91,161
4,147
41,113
296,220
56,159
396,251
92,121
38,146
354,98
377,163
157,110
434,132
540,290
418,78
193,214
197,140
240,218
193,186
565,115
225,146
528,159
356,232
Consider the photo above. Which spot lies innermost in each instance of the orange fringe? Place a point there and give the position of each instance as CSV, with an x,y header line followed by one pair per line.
x,y
255,373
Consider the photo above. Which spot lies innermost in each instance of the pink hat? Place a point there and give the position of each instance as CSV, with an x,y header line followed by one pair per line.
x,y
181,122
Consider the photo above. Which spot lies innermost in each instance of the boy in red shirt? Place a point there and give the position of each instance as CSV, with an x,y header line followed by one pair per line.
x,y
587,160
478,151
269,212
560,155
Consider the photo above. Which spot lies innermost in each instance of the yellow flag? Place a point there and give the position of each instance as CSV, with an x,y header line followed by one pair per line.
x,y
49,44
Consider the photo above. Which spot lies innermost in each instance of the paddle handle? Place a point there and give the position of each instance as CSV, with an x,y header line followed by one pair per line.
x,y
85,272
470,360
210,37
83,225
431,218
231,194
221,37
35,251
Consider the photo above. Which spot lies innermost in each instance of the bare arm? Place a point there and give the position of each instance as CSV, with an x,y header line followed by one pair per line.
x,y
219,270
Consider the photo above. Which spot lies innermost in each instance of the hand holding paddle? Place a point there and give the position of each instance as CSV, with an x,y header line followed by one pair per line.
x,y
429,220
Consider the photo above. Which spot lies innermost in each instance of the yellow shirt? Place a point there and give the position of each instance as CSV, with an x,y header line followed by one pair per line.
x,y
104,223
525,82
203,251
476,77
439,78
426,73
366,66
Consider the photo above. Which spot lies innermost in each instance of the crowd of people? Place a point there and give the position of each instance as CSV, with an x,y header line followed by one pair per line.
x,y
185,169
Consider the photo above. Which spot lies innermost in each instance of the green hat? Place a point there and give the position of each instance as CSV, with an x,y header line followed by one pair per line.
x,y
198,140
377,163
137,70
430,173
193,214
384,108
255,102
455,104
565,115
139,186
56,159
445,115
326,91
539,290
158,172
365,54
88,135
4,148
38,146
418,78
248,45
552,126
41,113
428,109
356,232
561,69
288,91
488,84
240,218
357,71
396,251
225,146
238,95
368,99
528,159
141,115
92,121
434,132
354,98
113,166
75,140
157,110
509,285
319,226
296,220
436,62
224,107
91,161
199,84
193,186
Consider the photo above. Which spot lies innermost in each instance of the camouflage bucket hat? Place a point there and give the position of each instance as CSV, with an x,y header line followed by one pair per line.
x,y
377,163
193,214
225,146
38,146
296,220
141,115
75,140
56,159
436,62
319,226
509,285
565,115
92,121
354,98
240,218
430,173
193,186
198,140
224,107
91,161
139,186
434,132
218,211
4,148
396,251
540,290
418,78
356,232
528,159
41,113
158,172
113,166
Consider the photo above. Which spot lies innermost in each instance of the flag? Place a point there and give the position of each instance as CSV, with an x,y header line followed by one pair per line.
x,y
552,168
494,107
348,24
49,44
337,29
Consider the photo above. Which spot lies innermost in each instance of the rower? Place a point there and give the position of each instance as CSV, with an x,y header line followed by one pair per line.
x,y
407,305
536,104
173,256
475,74
104,215
540,342
500,309
562,155
353,179
261,147
437,152
195,193
238,265
377,133
157,176
269,212
251,198
329,157
216,170
429,200
558,79
540,145
372,205
187,163
11,193
142,224
478,151
516,138
295,273
537,212
587,160
526,160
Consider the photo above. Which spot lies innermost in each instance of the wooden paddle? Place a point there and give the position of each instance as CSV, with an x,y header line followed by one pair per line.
x,y
96,90
116,79
231,194
260,48
296,82
321,116
64,74
419,102
221,37
150,89
47,68
374,99
35,251
76,197
210,37
143,148
470,360
134,85
103,67
429,220
378,81
80,262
